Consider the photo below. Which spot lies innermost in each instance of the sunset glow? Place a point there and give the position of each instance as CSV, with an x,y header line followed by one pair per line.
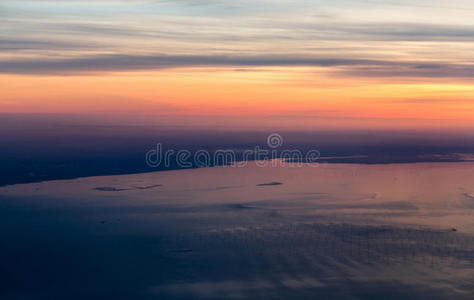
x,y
315,59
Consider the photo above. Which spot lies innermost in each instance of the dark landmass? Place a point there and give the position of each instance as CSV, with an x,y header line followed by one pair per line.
x,y
147,187
40,148
270,184
114,189
109,189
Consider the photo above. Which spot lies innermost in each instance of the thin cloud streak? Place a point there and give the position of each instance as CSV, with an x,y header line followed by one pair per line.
x,y
350,67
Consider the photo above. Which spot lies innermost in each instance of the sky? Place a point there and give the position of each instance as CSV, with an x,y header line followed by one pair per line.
x,y
299,63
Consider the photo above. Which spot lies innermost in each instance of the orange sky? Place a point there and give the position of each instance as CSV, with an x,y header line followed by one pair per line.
x,y
300,63
285,92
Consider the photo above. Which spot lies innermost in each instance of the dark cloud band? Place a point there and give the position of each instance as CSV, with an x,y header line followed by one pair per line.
x,y
115,63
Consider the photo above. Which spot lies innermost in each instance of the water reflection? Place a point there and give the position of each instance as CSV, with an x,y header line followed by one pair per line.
x,y
338,231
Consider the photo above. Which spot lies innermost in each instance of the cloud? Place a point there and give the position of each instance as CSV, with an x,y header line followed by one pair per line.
x,y
72,37
345,66
413,70
32,44
397,31
103,63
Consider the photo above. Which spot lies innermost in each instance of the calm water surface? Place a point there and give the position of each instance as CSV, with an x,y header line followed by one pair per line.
x,y
338,231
